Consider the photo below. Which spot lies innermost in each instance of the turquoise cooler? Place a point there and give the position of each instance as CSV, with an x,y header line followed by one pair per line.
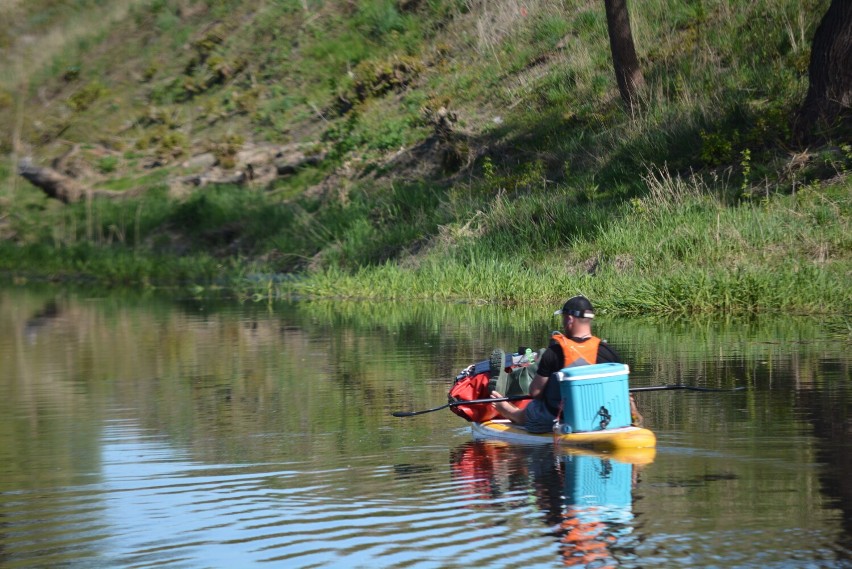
x,y
594,397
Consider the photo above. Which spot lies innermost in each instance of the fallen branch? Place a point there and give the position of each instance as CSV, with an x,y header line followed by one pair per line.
x,y
64,188
53,183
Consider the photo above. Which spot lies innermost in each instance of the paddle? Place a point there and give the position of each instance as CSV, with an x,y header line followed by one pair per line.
x,y
681,386
523,397
461,402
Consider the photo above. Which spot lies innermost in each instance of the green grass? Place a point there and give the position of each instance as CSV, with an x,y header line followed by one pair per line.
x,y
673,252
691,204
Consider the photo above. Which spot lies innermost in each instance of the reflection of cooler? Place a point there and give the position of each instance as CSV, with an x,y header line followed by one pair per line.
x,y
598,510
597,481
594,397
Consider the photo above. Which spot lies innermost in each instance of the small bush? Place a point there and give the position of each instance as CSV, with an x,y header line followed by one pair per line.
x,y
378,18
166,143
718,148
85,97
71,73
149,72
375,78
226,149
107,164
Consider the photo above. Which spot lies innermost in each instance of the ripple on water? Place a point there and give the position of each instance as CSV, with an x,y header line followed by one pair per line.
x,y
151,506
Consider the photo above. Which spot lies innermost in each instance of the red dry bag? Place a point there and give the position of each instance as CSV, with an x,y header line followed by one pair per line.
x,y
470,388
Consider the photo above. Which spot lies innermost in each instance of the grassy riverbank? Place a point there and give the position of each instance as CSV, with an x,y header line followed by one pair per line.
x,y
679,249
535,184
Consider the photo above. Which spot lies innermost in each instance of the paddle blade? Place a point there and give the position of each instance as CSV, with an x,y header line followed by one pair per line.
x,y
413,413
404,413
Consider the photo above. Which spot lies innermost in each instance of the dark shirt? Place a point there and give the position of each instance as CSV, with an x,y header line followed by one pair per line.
x,y
553,360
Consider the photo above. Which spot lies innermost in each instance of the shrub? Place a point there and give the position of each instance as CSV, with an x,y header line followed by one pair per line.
x,y
375,78
85,97
107,164
226,149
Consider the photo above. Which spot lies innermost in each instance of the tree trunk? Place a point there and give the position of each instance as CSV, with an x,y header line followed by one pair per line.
x,y
829,99
624,60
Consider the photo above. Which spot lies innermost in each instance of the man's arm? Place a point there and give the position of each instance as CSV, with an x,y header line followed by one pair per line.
x,y
607,354
537,385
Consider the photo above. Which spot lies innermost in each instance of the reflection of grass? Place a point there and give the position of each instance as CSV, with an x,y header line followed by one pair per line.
x,y
673,347
166,362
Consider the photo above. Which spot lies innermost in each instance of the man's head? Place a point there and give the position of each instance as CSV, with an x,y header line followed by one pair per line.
x,y
577,314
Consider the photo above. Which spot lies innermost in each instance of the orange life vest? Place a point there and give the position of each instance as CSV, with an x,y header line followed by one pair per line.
x,y
574,351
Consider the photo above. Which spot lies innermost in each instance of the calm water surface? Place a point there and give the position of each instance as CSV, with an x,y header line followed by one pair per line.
x,y
141,432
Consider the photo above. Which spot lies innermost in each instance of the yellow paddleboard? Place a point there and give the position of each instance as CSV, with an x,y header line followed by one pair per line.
x,y
608,440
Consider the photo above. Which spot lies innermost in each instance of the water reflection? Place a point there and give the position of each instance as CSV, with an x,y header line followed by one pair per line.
x,y
830,414
584,498
265,434
45,316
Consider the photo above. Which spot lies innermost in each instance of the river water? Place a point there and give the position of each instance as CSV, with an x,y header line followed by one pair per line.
x,y
139,431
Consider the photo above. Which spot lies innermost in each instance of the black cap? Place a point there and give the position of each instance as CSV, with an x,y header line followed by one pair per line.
x,y
578,306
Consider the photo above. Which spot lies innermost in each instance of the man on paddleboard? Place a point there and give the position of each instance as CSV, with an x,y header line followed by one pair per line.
x,y
576,346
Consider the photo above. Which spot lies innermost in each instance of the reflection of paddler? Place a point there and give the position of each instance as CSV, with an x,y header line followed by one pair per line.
x,y
585,496
487,469
585,542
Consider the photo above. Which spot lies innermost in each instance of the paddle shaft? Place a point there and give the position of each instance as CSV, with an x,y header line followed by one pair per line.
x,y
523,397
461,402
685,387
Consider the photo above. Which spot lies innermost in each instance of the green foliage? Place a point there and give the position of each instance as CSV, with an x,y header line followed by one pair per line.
x,y
149,72
716,148
166,143
165,116
72,73
745,162
245,102
378,18
759,127
374,78
167,20
211,210
340,135
590,24
107,164
84,97
390,135
147,180
559,88
225,150
528,177
549,30
7,101
560,184
682,253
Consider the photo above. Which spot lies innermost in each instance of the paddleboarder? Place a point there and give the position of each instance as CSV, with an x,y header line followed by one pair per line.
x,y
576,345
